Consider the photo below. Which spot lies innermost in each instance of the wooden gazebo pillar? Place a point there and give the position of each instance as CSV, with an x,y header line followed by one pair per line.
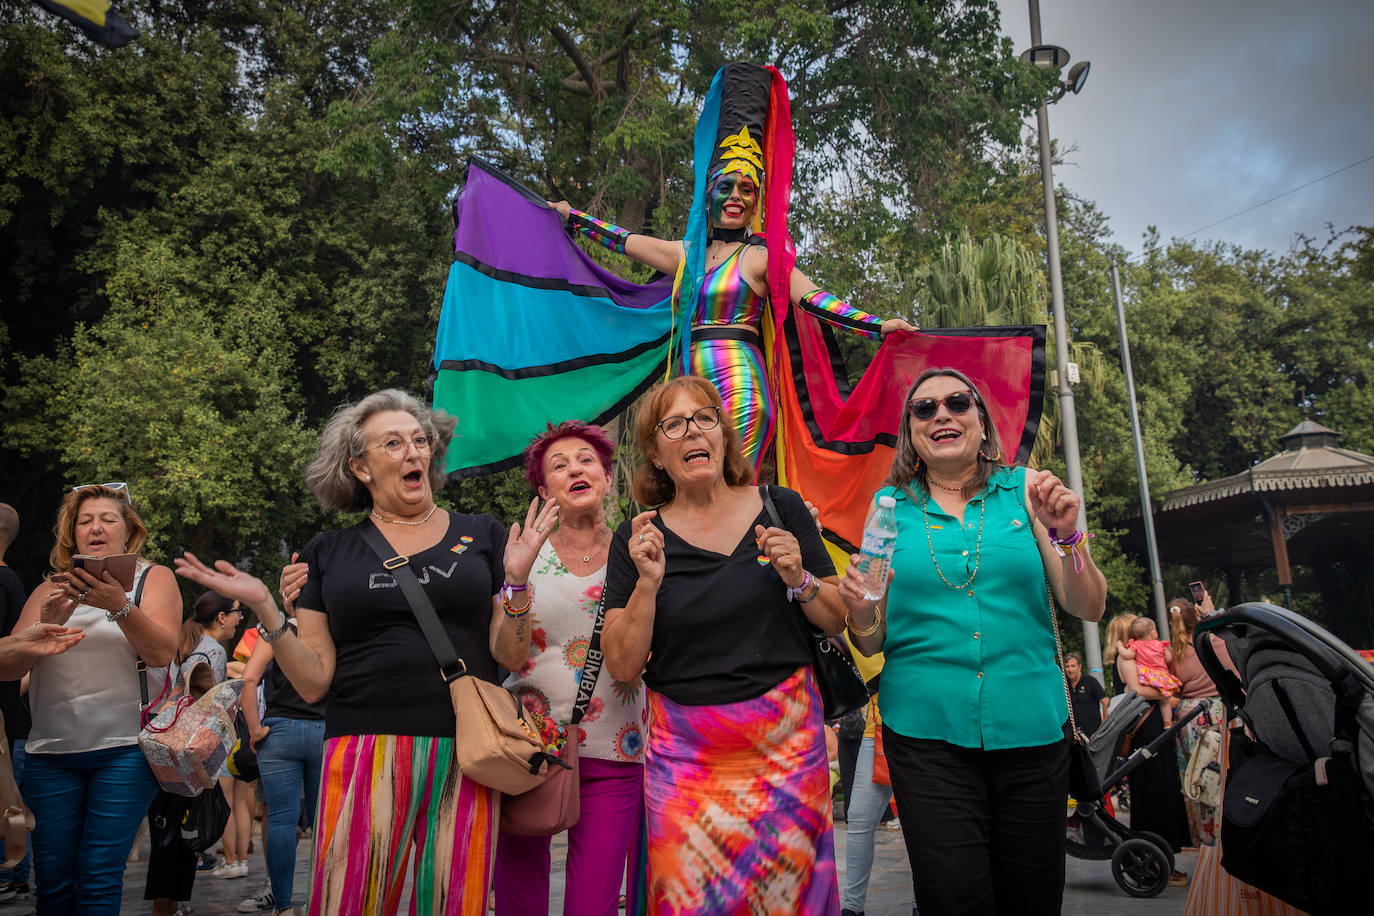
x,y
1276,516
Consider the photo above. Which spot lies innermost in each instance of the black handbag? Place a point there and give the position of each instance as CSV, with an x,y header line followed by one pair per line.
x,y
243,759
196,823
841,688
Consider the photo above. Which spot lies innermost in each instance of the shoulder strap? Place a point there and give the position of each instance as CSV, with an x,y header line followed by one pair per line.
x,y
140,664
450,665
770,507
586,685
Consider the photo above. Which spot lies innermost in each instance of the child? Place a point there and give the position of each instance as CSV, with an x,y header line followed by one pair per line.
x,y
1152,657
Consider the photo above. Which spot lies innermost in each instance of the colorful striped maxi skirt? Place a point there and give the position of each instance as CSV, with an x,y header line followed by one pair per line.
x,y
738,801
381,795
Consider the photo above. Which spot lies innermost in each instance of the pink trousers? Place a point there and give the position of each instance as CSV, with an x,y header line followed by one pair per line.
x,y
599,844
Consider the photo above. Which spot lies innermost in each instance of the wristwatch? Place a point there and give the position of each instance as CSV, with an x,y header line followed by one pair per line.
x,y
279,632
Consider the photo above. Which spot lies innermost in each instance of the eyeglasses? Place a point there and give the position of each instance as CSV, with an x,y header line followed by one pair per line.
x,y
396,446
676,427
924,408
119,485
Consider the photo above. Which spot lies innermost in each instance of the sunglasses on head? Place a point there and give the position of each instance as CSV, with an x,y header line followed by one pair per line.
x,y
924,408
119,485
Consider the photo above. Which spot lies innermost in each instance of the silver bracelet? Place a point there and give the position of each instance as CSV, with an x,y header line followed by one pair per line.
x,y
117,616
279,632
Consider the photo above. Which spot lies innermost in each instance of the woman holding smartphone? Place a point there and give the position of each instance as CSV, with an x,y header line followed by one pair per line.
x,y
85,778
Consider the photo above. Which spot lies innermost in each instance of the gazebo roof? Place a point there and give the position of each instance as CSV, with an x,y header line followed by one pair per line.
x,y
1311,459
1316,492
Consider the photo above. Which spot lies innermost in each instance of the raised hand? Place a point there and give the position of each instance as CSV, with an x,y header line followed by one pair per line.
x,y
646,547
1051,502
781,548
524,543
225,578
293,579
46,639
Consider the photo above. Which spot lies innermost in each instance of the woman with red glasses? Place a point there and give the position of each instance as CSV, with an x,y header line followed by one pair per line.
x,y
980,762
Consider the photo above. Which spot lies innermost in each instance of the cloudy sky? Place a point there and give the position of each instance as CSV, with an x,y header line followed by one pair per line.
x,y
1197,109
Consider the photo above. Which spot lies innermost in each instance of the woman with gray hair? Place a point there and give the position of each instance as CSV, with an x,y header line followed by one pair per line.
x,y
390,779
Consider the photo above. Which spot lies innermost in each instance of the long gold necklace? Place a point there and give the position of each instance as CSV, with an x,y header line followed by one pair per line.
x,y
977,553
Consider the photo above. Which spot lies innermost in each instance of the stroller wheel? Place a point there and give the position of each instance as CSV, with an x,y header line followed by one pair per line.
x,y
1140,868
1160,842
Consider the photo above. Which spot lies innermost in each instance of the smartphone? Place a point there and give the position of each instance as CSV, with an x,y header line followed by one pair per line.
x,y
1199,591
122,566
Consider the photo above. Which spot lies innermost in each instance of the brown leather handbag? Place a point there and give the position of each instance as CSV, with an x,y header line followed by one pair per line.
x,y
495,744
555,805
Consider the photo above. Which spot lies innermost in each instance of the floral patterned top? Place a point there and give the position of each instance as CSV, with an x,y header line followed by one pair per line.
x,y
563,618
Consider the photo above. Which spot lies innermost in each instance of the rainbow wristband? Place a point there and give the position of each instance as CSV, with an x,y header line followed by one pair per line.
x,y
794,594
607,234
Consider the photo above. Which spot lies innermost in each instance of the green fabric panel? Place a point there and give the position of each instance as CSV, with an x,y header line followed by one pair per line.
x,y
497,416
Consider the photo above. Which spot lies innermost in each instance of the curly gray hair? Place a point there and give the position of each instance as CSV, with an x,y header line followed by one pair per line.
x,y
331,479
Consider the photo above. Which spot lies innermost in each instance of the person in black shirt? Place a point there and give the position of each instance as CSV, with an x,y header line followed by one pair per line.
x,y
389,712
714,604
1089,699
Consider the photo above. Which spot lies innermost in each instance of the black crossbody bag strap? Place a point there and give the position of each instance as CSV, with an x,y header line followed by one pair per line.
x,y
141,665
450,665
592,669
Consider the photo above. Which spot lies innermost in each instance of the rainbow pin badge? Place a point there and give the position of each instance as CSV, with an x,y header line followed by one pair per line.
x,y
463,543
1016,523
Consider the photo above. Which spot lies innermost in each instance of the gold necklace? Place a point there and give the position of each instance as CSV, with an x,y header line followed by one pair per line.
x,y
596,545
977,553
396,521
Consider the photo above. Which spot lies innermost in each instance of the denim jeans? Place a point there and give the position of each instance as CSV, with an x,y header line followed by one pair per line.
x,y
864,813
289,767
87,807
20,873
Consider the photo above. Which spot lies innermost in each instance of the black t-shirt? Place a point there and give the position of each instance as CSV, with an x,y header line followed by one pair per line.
x,y
724,630
283,701
1087,704
12,600
386,679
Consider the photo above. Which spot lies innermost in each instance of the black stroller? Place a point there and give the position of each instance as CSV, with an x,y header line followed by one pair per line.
x,y
1141,861
1298,810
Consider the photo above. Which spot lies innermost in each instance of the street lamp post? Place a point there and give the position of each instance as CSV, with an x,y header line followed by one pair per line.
x,y
1068,417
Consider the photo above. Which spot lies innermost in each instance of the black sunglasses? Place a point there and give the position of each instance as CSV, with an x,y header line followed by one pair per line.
x,y
924,408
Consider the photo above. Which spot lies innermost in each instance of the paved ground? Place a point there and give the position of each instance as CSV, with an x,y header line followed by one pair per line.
x,y
1089,889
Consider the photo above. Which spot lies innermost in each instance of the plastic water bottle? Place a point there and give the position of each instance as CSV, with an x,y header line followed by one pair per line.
x,y
880,540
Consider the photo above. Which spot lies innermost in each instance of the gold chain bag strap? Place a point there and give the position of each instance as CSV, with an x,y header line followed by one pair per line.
x,y
1084,781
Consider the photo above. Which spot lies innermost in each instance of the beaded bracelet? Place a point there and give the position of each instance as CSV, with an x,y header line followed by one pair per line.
x,y
511,611
1073,542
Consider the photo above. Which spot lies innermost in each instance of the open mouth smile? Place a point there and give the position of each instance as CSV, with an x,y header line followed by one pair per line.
x,y
945,435
696,456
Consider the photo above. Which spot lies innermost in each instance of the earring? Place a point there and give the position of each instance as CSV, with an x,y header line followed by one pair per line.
x,y
917,465
367,478
992,458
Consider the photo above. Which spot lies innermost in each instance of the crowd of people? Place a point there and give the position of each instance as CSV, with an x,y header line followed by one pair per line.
x,y
704,773
703,777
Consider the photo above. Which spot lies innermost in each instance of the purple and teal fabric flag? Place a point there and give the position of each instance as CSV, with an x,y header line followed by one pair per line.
x,y
532,330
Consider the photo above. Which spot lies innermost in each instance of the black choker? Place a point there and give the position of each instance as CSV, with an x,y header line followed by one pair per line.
x,y
728,235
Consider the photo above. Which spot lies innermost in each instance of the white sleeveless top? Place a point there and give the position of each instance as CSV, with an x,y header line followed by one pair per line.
x,y
86,699
563,619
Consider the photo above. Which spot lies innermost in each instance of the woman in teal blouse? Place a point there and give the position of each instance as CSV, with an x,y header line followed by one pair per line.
x,y
973,708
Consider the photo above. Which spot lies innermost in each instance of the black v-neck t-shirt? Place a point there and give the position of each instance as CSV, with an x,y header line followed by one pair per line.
x,y
724,630
386,679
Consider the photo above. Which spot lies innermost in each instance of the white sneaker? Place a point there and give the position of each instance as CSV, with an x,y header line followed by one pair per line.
x,y
231,870
259,902
241,869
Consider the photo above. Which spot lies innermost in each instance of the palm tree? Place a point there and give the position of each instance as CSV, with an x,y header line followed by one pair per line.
x,y
999,282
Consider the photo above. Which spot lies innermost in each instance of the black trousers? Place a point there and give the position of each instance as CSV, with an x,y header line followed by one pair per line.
x,y
984,830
